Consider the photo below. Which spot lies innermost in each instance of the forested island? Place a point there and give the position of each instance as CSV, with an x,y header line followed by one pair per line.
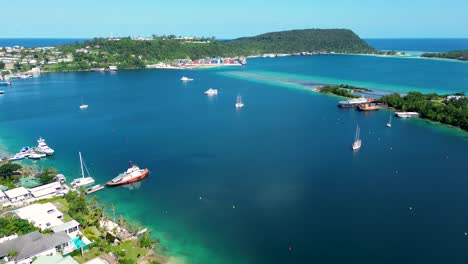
x,y
128,52
447,109
453,55
343,90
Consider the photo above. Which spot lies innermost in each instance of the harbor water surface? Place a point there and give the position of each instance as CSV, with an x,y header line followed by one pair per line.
x,y
273,182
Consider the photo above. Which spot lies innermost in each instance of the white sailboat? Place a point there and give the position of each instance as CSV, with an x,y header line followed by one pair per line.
x,y
389,123
239,103
83,105
83,181
357,141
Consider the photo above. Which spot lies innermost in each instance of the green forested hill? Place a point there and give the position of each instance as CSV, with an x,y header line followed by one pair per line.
x,y
129,53
326,40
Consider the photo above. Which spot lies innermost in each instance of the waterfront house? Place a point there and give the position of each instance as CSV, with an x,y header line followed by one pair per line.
x,y
18,194
48,190
71,228
42,216
454,97
34,245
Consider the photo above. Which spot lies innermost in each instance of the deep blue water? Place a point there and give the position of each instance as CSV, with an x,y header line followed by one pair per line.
x,y
274,182
37,42
426,45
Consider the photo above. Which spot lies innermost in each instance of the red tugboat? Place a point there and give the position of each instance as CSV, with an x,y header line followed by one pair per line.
x,y
133,174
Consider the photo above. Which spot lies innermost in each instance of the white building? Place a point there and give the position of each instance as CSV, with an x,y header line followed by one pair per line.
x,y
18,194
48,190
35,244
42,216
71,228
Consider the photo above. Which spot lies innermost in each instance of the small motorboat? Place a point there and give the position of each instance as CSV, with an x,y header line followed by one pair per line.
x,y
186,79
211,91
19,156
84,106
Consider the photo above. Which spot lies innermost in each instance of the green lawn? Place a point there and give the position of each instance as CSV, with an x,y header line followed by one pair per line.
x,y
128,252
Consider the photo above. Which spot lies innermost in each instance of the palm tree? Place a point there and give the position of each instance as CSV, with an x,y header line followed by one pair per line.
x,y
113,210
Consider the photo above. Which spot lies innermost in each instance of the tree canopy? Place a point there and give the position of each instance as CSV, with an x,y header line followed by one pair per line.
x,y
453,54
432,106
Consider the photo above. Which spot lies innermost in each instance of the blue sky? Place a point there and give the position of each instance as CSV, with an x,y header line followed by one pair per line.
x,y
229,19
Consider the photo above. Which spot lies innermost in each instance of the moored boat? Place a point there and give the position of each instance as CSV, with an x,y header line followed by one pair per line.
x,y
352,103
19,156
83,181
406,114
42,147
36,155
368,107
133,174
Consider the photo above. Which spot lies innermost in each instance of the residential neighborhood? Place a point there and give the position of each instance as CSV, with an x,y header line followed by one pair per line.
x,y
55,223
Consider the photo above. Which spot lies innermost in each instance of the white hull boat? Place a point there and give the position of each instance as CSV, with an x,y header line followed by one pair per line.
x,y
83,181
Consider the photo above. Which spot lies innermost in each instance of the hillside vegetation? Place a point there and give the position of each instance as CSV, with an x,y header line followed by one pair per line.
x,y
323,40
432,106
130,53
454,55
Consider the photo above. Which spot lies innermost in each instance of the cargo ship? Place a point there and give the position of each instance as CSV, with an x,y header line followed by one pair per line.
x,y
133,174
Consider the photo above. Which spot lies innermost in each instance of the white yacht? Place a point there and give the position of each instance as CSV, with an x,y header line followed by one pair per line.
x,y
389,124
211,91
83,181
239,103
36,155
19,156
42,147
186,79
357,140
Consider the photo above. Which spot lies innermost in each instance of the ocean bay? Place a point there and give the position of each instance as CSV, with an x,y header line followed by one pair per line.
x,y
274,182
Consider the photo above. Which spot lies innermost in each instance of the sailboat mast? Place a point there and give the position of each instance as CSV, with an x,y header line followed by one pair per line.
x,y
81,163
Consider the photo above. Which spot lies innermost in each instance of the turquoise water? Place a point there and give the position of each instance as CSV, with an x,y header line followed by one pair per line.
x,y
274,182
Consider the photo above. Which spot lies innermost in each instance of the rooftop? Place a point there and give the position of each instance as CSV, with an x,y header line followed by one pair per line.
x,y
32,244
56,259
17,192
41,215
45,189
65,226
